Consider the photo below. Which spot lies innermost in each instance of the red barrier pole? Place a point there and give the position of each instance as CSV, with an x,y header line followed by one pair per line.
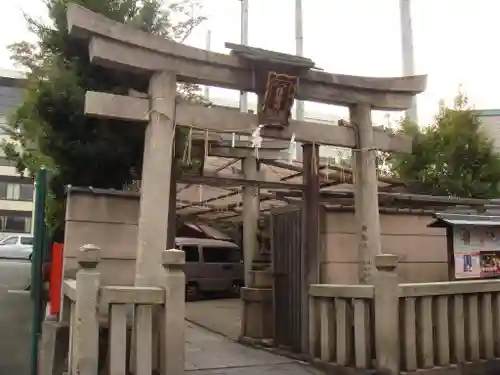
x,y
56,278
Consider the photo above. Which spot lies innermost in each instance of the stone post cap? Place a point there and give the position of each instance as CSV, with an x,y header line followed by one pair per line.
x,y
173,257
386,262
89,255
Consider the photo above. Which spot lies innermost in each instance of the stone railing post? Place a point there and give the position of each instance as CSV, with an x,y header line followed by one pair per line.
x,y
257,303
173,343
86,336
386,301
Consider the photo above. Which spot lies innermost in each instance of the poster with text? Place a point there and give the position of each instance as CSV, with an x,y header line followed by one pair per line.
x,y
467,266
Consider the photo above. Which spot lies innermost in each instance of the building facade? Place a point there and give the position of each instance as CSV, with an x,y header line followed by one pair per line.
x,y
16,192
490,125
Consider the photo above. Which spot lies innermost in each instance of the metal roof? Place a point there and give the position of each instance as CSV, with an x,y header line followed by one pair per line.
x,y
444,220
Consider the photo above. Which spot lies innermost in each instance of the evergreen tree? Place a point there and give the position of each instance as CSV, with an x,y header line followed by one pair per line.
x,y
452,157
50,129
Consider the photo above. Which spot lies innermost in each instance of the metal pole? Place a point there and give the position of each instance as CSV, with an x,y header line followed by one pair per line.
x,y
36,266
251,203
244,41
208,48
299,50
407,51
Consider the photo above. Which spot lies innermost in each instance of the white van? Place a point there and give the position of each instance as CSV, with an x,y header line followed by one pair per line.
x,y
211,266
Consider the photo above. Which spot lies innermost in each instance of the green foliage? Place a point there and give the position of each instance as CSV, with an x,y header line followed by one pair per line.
x,y
49,128
451,157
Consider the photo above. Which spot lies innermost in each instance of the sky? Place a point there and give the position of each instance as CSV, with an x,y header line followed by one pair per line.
x,y
454,41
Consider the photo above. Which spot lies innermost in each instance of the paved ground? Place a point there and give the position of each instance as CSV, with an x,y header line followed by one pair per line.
x,y
208,353
15,318
219,315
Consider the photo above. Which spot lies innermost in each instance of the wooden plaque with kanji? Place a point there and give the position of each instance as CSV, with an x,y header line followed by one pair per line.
x,y
278,99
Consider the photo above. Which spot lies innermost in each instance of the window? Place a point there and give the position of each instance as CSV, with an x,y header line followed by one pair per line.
x,y
10,241
192,254
3,124
3,190
26,240
16,192
4,162
13,191
26,192
221,255
16,224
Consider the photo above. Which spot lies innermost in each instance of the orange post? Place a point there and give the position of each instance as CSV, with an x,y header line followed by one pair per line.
x,y
56,278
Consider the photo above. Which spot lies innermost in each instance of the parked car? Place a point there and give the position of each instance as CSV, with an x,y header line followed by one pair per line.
x,y
211,266
16,247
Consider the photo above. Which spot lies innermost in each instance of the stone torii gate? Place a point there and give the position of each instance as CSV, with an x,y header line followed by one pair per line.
x,y
164,63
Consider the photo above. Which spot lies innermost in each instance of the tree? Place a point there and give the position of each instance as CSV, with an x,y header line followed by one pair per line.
x,y
452,157
49,128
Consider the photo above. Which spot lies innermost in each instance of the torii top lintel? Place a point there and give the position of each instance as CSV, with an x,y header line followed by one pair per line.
x,y
122,47
263,56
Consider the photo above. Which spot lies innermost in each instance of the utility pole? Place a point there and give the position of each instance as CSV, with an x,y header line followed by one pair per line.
x,y
299,51
250,164
208,47
244,41
407,51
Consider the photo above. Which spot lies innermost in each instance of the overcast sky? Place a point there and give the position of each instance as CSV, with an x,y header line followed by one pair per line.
x,y
454,40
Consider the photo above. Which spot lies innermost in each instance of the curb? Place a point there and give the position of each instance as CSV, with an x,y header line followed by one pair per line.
x,y
209,329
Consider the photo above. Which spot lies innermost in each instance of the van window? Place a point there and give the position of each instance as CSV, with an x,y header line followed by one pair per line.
x,y
192,254
221,255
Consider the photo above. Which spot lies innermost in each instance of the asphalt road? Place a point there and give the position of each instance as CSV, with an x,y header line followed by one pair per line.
x,y
15,318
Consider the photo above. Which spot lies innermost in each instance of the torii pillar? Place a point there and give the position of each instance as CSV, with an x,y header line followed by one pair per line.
x,y
155,219
251,213
366,192
155,188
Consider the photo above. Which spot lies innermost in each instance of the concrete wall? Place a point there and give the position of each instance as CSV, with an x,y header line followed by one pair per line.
x,y
421,251
108,220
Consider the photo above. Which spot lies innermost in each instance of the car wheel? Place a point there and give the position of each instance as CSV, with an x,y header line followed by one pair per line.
x,y
192,292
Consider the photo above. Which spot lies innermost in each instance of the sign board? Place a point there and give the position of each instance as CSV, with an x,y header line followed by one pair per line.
x,y
476,252
278,99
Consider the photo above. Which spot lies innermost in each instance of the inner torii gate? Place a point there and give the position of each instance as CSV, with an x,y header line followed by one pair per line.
x,y
164,63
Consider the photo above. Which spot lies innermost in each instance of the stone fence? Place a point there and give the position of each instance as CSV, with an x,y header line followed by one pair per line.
x,y
391,328
133,316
